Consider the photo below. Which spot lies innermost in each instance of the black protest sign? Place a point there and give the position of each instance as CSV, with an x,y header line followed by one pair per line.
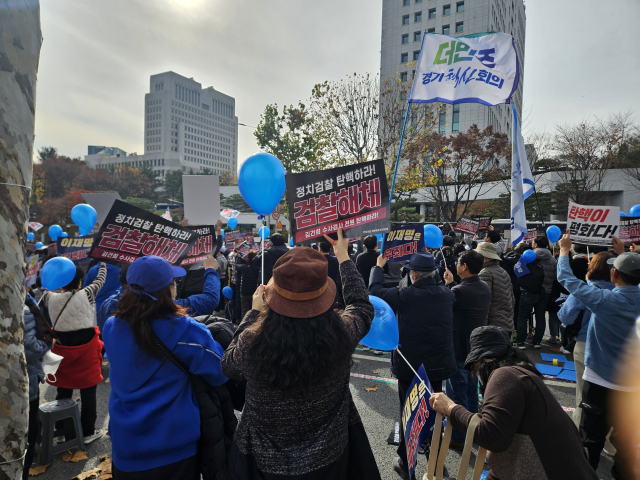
x,y
204,245
629,229
354,198
483,223
75,249
467,225
129,233
531,234
402,242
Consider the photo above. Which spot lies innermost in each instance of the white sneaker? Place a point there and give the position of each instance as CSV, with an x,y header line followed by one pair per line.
x,y
96,435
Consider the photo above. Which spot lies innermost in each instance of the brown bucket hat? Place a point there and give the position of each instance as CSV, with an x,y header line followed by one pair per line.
x,y
300,286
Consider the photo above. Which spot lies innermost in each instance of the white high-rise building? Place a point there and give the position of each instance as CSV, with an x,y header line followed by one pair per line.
x,y
186,127
405,21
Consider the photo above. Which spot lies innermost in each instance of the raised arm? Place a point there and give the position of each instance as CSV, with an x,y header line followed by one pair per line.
x,y
95,286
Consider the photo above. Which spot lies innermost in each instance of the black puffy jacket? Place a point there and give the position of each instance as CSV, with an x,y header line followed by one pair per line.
x,y
271,256
248,277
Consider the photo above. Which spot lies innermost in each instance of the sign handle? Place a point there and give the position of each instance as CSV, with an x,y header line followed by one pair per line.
x,y
414,371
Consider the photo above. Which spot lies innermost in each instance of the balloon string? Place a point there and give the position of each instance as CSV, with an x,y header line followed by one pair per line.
x,y
414,371
262,235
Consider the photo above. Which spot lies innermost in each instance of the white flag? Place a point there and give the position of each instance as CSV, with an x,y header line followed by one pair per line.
x,y
476,69
167,215
522,184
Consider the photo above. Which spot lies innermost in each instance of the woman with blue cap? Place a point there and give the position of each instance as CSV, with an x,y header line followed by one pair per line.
x,y
154,416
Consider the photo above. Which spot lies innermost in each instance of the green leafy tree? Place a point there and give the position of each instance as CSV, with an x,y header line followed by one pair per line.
x,y
143,203
173,184
45,153
235,202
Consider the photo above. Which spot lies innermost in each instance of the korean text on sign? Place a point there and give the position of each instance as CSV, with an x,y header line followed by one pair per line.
x,y
630,229
467,225
403,242
592,225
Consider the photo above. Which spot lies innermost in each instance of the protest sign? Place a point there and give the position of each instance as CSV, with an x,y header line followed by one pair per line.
x,y
35,226
129,233
629,229
32,270
592,225
354,198
101,202
483,224
403,242
483,69
418,418
531,234
203,247
75,249
467,225
201,199
520,268
243,249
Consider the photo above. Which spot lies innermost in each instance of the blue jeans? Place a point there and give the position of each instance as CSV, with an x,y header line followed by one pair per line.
x,y
538,303
462,388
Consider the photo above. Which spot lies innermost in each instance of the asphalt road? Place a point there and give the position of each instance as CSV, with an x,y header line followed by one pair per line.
x,y
377,408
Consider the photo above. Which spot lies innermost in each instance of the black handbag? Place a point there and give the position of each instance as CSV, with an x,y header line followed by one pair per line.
x,y
217,420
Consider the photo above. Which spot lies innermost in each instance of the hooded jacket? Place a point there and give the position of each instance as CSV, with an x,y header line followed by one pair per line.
x,y
502,299
548,262
154,415
34,350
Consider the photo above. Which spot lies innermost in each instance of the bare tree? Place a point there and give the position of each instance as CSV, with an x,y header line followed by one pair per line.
x,y
19,57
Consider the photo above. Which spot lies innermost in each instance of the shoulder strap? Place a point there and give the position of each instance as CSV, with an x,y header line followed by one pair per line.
x,y
170,355
65,306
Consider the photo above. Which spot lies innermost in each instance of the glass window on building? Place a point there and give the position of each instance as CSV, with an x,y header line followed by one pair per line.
x,y
418,17
405,20
432,13
456,119
405,3
416,54
405,38
446,10
431,30
404,57
445,29
403,76
459,27
417,36
460,7
443,118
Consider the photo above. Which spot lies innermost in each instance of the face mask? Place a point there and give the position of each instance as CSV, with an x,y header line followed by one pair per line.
x,y
50,364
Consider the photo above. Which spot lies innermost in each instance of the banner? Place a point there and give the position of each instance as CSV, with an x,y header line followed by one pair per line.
x,y
531,234
35,226
520,268
592,225
354,198
204,245
229,213
75,249
629,229
418,418
129,233
403,242
483,224
480,69
32,269
467,225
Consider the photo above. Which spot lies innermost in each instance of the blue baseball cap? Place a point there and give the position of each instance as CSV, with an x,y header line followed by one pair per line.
x,y
152,274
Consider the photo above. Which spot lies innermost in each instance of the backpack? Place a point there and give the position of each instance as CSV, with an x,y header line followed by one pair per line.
x,y
532,282
571,332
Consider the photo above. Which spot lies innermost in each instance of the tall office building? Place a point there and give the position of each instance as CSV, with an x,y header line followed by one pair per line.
x,y
405,21
185,127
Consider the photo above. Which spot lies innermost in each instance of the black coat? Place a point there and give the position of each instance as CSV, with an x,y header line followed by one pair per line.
x,y
471,310
425,320
271,256
365,262
248,277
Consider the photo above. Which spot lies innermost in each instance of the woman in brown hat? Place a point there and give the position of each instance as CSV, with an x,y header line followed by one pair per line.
x,y
295,351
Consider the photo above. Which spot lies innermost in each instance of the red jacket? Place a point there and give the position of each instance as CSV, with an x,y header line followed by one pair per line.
x,y
81,366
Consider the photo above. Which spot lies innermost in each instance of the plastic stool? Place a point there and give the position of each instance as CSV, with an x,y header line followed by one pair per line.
x,y
50,413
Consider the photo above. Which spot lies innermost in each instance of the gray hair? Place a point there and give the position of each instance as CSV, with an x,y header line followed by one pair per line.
x,y
424,275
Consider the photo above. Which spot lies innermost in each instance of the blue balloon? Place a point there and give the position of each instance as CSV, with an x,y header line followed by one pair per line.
x,y
222,231
57,273
634,211
261,182
85,217
31,236
264,232
291,241
529,256
233,223
55,231
39,245
383,334
622,214
64,235
432,236
554,233
227,292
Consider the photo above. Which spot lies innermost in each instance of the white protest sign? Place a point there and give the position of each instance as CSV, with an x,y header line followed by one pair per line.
x,y
102,202
593,225
479,69
32,270
201,199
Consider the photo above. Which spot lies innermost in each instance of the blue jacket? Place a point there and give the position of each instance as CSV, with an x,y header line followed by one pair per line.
x,y
572,307
111,284
154,414
614,317
34,350
425,321
109,306
205,302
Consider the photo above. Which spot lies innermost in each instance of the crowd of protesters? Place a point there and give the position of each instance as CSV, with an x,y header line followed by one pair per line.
x,y
279,350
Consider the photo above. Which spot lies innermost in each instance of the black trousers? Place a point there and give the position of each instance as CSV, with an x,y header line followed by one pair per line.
x,y
403,387
595,424
32,437
186,469
88,412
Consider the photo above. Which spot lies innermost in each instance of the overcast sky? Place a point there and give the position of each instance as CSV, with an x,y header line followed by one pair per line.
x,y
581,60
